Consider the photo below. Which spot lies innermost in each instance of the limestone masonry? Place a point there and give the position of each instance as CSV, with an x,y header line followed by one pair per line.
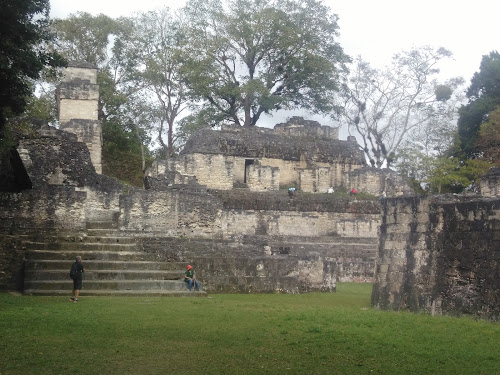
x,y
222,206
299,153
440,255
77,102
239,240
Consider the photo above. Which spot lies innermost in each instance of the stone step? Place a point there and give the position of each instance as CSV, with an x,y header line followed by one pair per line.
x,y
57,275
327,240
114,285
89,255
44,264
77,238
103,224
125,293
63,246
99,232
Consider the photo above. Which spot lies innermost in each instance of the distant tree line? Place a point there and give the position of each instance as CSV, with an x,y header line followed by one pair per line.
x,y
163,74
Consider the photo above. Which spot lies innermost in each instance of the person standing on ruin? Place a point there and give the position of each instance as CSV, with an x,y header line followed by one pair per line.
x,y
76,273
190,278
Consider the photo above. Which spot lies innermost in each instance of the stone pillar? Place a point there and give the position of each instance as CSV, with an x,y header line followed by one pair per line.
x,y
77,104
490,183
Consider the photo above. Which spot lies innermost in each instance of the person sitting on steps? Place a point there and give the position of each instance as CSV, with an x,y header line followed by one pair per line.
x,y
190,278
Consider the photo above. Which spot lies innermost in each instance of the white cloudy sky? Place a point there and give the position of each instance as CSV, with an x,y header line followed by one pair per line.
x,y
374,29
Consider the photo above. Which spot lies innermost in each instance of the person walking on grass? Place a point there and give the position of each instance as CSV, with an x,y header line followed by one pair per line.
x,y
190,278
77,269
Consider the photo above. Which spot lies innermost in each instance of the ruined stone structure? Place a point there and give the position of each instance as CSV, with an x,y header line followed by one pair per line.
x,y
77,103
298,153
239,240
440,255
490,184
221,206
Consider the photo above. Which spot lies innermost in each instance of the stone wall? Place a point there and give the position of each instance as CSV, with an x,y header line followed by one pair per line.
x,y
374,181
223,172
250,241
490,183
293,223
262,178
49,208
298,127
90,133
170,213
316,180
246,267
78,70
78,93
440,255
213,171
11,263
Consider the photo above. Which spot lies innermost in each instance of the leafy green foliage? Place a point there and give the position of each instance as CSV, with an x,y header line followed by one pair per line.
x,y
24,34
41,107
238,334
104,41
121,155
246,58
484,97
489,137
84,37
453,175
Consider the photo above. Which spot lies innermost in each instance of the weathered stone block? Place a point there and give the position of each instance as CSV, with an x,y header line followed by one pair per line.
x,y
446,260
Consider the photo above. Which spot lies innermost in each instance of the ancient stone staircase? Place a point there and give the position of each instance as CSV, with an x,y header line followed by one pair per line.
x,y
114,266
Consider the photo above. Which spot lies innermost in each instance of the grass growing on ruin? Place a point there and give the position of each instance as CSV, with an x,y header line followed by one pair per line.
x,y
238,334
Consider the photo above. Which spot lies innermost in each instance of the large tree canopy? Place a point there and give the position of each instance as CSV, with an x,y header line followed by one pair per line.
x,y
249,57
24,32
387,107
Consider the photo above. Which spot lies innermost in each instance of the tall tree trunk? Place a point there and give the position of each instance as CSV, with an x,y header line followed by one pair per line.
x,y
248,115
170,139
143,157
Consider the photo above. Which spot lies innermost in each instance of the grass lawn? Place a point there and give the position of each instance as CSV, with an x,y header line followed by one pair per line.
x,y
238,334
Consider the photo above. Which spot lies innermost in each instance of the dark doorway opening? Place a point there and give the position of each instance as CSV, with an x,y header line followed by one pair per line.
x,y
247,163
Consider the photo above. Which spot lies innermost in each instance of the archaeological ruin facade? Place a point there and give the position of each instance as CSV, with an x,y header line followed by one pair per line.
x,y
299,153
222,206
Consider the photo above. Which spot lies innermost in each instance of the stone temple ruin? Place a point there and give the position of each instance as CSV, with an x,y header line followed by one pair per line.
x,y
299,153
222,206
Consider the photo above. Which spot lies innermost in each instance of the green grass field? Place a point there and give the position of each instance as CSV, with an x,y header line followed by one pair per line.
x,y
238,334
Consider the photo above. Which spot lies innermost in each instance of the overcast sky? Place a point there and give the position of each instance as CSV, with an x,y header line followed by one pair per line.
x,y
374,29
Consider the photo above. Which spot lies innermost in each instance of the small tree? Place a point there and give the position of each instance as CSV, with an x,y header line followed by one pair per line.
x,y
155,46
453,175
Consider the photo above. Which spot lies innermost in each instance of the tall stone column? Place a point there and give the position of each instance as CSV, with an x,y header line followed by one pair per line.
x,y
77,102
